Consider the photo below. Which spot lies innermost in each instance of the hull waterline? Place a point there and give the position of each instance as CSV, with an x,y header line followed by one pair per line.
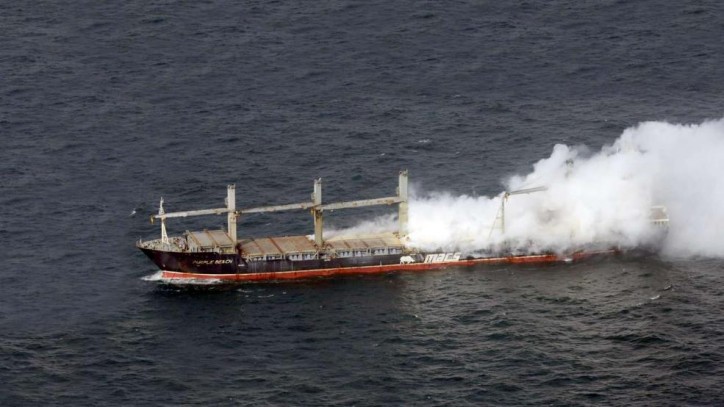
x,y
184,278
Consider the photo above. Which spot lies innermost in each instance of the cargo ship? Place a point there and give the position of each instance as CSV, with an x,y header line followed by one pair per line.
x,y
219,256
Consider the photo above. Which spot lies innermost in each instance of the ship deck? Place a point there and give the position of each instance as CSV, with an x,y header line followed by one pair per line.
x,y
342,246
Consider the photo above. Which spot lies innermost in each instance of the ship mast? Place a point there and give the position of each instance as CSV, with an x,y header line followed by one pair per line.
x,y
164,235
403,209
317,213
231,207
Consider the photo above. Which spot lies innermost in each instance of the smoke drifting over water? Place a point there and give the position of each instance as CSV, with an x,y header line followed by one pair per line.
x,y
602,197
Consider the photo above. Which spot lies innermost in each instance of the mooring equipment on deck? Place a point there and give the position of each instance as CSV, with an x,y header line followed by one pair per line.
x,y
315,206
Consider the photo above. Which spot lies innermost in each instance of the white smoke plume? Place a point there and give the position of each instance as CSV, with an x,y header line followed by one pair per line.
x,y
604,198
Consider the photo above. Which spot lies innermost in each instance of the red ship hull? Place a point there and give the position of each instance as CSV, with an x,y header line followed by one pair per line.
x,y
177,277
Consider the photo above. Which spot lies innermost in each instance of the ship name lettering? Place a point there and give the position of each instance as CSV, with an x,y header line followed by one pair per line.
x,y
442,257
211,262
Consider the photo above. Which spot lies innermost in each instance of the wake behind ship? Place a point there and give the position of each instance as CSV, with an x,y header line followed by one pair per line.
x,y
219,256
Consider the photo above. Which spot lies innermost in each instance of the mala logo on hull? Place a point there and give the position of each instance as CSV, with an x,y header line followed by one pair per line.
x,y
442,257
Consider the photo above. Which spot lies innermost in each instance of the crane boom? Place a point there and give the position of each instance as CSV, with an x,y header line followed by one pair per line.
x,y
316,206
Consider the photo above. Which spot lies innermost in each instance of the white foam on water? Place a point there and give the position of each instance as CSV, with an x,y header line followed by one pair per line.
x,y
158,277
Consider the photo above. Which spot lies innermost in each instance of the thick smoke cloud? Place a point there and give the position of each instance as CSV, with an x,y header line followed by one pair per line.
x,y
592,199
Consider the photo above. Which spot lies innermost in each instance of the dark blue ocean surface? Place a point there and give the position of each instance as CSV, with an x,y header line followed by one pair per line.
x,y
107,106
